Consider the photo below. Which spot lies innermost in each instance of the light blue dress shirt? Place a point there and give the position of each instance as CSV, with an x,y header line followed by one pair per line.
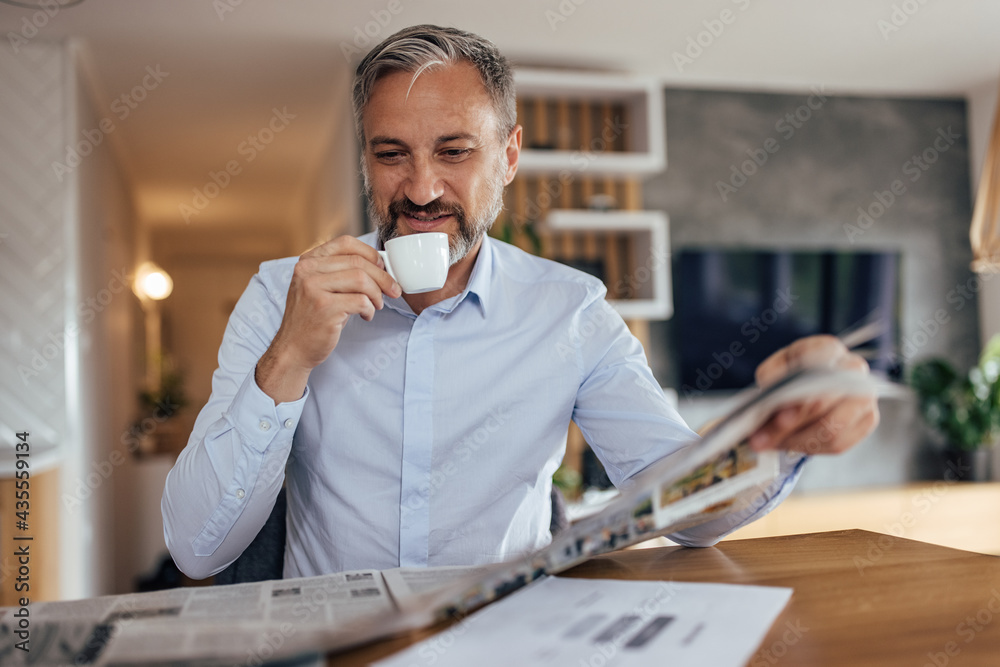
x,y
424,440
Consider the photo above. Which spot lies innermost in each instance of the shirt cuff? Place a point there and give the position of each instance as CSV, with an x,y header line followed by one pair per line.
x,y
258,420
755,502
790,465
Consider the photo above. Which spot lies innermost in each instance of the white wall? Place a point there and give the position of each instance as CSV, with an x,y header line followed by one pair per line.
x,y
35,251
65,363
103,225
333,206
982,107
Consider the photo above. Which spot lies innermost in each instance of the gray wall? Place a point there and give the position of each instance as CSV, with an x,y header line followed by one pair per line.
x,y
821,167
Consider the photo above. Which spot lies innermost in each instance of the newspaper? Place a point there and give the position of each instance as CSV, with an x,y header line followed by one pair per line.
x,y
250,622
327,599
255,623
236,624
408,585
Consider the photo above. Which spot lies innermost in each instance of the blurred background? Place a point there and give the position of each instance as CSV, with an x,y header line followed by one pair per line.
x,y
739,174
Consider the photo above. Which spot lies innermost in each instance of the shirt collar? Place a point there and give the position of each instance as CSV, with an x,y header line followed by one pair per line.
x,y
479,281
482,272
478,286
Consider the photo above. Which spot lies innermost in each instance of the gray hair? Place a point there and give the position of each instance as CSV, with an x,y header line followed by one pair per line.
x,y
420,47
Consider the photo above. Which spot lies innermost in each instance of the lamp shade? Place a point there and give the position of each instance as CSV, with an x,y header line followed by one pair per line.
x,y
152,282
985,230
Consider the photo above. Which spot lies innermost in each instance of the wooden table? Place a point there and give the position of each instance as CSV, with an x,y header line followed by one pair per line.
x,y
937,512
860,598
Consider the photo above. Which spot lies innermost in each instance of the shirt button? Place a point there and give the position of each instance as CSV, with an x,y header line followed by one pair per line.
x,y
289,423
240,493
265,425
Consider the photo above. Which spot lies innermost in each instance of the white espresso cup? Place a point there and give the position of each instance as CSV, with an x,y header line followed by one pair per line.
x,y
418,262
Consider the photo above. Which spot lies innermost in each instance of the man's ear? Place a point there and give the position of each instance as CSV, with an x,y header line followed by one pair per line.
x,y
513,150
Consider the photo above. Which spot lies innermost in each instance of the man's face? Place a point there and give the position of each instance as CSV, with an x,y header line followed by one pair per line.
x,y
433,159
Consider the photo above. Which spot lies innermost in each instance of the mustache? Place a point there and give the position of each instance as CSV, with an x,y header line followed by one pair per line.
x,y
433,209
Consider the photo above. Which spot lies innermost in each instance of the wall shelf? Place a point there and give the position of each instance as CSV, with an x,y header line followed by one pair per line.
x,y
628,136
643,275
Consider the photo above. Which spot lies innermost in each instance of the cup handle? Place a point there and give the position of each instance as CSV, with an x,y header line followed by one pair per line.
x,y
385,260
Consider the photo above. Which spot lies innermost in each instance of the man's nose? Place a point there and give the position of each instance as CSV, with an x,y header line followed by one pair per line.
x,y
423,185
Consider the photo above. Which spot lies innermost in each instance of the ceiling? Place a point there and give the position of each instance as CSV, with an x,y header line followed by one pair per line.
x,y
230,63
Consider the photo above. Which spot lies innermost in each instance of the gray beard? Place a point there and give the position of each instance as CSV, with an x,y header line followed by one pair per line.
x,y
470,230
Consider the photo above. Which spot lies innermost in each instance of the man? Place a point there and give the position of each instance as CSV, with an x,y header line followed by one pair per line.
x,y
424,429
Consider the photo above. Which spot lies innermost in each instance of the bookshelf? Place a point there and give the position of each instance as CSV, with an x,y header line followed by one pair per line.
x,y
602,124
631,245
588,140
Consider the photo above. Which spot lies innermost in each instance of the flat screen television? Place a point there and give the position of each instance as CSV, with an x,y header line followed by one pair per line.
x,y
733,308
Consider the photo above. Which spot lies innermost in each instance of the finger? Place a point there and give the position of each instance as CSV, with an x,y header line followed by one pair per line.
x,y
346,245
348,265
779,426
789,419
848,422
854,362
354,304
816,351
367,281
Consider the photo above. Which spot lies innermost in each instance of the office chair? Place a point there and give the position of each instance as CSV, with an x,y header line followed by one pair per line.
x,y
264,557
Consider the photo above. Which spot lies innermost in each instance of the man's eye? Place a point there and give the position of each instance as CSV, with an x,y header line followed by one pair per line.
x,y
456,152
389,155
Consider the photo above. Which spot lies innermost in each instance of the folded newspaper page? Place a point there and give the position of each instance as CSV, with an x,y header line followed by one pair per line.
x,y
255,623
249,623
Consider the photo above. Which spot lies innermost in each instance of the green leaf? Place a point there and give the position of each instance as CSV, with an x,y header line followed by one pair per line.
x,y
963,409
991,352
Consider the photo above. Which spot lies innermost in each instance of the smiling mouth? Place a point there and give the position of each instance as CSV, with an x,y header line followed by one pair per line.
x,y
424,223
421,218
429,218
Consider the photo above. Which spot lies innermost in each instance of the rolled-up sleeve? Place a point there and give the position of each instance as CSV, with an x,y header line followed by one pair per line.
x,y
749,506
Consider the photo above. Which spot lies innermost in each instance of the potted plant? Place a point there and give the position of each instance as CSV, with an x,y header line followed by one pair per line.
x,y
157,430
963,409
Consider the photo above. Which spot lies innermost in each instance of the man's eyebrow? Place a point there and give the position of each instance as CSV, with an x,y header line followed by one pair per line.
x,y
460,136
375,141
457,137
